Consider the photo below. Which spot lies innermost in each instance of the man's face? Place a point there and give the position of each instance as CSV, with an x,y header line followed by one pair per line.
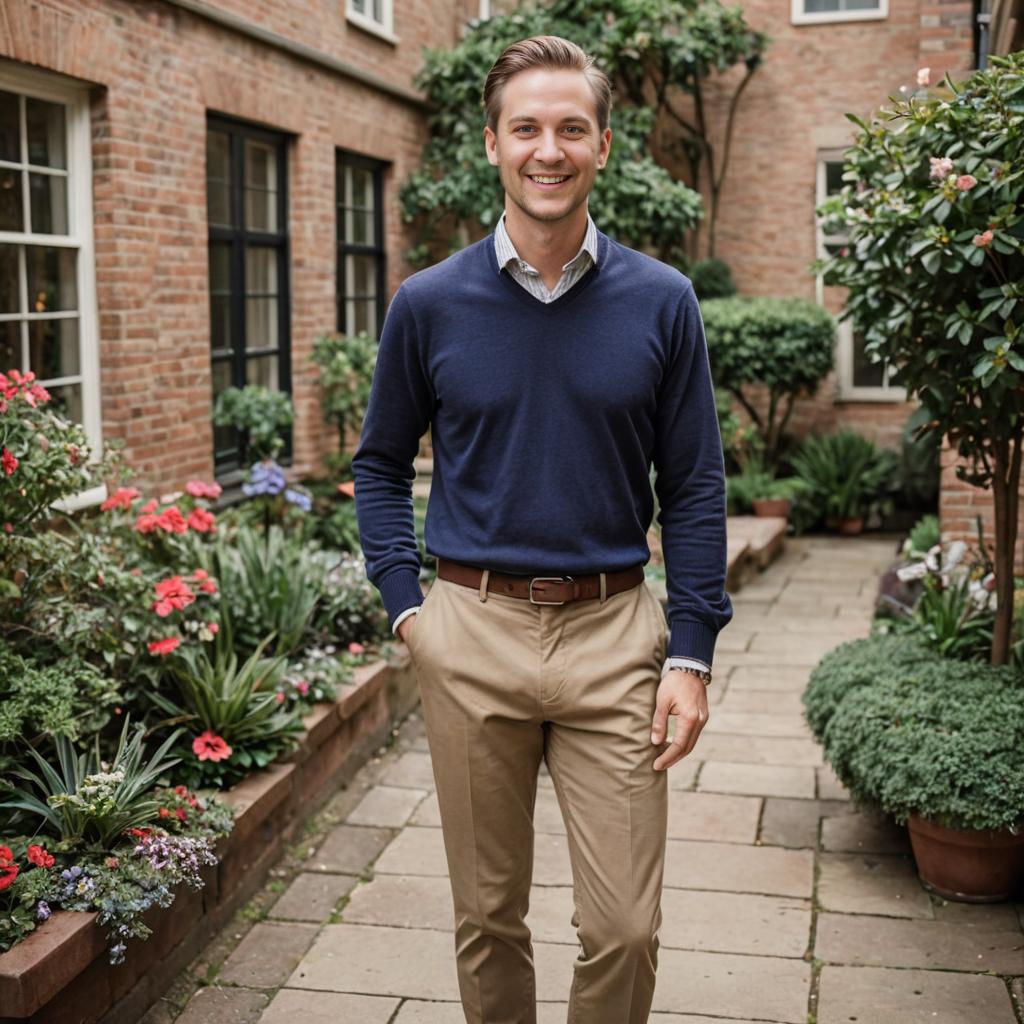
x,y
547,145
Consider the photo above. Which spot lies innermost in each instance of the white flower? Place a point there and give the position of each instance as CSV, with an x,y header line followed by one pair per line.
x,y
923,76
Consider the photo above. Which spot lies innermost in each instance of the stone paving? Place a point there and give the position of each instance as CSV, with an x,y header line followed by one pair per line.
x,y
783,901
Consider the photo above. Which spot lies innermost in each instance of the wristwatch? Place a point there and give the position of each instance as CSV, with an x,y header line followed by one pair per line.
x,y
701,674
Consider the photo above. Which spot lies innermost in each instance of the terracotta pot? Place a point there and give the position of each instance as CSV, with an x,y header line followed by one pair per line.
x,y
850,526
969,865
778,507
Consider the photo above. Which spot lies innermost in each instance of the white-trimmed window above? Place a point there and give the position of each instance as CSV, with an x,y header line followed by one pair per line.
x,y
860,379
375,16
48,319
815,12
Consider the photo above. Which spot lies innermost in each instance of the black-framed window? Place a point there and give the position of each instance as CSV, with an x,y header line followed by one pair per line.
x,y
247,212
359,187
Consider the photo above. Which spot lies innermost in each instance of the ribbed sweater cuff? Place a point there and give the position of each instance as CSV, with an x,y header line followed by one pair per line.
x,y
398,591
692,640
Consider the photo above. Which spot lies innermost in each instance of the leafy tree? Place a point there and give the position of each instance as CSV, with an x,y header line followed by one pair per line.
x,y
935,272
785,346
653,51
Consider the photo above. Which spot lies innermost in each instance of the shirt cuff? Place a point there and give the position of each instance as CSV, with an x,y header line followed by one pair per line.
x,y
403,616
684,663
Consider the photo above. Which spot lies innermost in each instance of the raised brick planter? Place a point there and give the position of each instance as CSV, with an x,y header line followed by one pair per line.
x,y
60,973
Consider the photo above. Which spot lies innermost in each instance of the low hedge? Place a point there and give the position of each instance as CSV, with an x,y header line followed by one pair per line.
x,y
910,732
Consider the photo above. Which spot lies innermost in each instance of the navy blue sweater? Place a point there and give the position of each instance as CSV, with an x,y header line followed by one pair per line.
x,y
545,421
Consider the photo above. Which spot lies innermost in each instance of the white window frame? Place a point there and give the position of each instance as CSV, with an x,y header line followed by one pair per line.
x,y
16,78
385,28
799,16
848,391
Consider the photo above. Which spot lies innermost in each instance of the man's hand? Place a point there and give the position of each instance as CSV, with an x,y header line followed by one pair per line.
x,y
405,628
683,695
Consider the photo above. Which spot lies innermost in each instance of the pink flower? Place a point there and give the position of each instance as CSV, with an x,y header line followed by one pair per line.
x,y
200,489
984,240
149,508
163,647
966,182
172,520
200,574
121,498
924,76
302,686
279,697
208,746
355,648
213,628
202,521
941,168
38,856
173,594
8,461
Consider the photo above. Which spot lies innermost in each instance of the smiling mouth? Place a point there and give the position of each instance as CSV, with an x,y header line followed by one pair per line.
x,y
548,179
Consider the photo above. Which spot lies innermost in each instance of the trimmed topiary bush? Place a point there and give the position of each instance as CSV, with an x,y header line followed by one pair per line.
x,y
784,345
910,732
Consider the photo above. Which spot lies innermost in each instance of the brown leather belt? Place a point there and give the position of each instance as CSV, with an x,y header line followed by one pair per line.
x,y
541,589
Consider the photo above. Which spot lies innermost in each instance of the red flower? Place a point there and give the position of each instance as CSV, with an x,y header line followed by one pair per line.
x,y
180,814
122,498
8,462
140,833
164,813
208,587
149,508
147,523
6,857
173,594
213,628
165,646
202,521
172,520
200,574
8,873
199,489
181,790
355,648
208,746
38,856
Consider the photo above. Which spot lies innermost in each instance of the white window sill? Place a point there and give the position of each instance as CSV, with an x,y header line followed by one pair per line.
x,y
830,17
891,396
375,28
86,499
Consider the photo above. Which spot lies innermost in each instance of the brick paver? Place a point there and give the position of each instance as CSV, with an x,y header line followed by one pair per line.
x,y
783,898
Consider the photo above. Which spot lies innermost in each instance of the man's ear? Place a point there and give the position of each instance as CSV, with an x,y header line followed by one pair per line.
x,y
606,148
491,146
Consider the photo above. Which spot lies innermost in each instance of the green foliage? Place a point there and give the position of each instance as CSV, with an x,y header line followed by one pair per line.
x,y
261,414
648,49
917,476
350,609
924,535
910,732
712,279
45,458
755,483
846,476
785,346
346,372
86,804
948,621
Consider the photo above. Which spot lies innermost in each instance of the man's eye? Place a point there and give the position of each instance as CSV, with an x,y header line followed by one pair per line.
x,y
574,129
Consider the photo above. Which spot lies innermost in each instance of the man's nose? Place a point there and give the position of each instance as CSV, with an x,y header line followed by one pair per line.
x,y
548,148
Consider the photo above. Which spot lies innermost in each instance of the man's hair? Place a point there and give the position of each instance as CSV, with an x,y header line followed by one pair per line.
x,y
554,53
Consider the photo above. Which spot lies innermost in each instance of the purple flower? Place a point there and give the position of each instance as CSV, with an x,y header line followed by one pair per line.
x,y
303,501
42,911
265,478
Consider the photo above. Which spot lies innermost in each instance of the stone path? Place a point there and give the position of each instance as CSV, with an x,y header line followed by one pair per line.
x,y
782,903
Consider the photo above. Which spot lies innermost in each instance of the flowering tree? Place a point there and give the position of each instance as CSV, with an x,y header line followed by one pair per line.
x,y
935,272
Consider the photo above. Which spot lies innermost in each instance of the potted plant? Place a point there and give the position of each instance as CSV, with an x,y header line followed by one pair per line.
x,y
756,488
938,744
848,478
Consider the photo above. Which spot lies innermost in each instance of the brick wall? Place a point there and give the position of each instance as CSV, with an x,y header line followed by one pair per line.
x,y
156,70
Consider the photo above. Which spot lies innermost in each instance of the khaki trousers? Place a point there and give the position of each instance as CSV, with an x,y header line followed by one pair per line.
x,y
504,684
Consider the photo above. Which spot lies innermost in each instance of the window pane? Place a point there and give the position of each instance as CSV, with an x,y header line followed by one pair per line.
x,y
218,178
865,373
9,301
51,279
48,205
11,217
10,146
10,346
260,323
833,177
260,186
220,268
260,270
262,371
53,348
46,133
67,401
361,276
820,6
359,6
361,315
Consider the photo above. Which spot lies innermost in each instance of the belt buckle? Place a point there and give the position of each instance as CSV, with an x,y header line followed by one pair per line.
x,y
548,579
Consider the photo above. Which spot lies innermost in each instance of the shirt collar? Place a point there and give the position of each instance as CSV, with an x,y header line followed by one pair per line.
x,y
506,251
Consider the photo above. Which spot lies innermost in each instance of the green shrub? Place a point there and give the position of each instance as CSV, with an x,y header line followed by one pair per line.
x,y
910,732
846,475
260,414
917,476
712,279
346,372
783,345
924,535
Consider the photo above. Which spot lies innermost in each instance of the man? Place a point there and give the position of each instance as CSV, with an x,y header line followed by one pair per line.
x,y
553,366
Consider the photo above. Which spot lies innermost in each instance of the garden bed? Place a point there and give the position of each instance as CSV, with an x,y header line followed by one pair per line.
x,y
60,972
